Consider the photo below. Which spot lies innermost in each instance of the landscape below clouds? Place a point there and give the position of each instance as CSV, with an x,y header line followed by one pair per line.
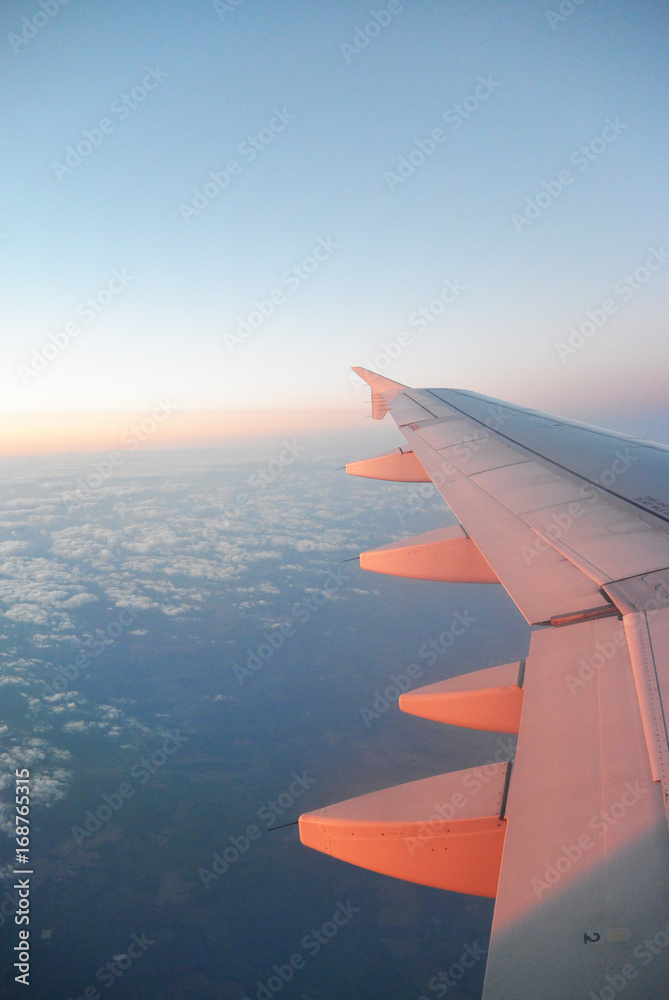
x,y
183,641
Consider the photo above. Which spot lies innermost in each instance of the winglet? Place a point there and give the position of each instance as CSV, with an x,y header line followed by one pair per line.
x,y
384,390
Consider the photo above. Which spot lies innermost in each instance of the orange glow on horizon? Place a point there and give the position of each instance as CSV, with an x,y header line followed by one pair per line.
x,y
50,434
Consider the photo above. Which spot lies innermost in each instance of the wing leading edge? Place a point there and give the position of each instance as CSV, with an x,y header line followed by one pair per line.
x,y
572,839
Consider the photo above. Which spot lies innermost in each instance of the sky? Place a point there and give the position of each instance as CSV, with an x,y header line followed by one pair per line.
x,y
226,205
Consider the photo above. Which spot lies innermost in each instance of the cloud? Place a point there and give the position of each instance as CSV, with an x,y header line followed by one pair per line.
x,y
168,548
48,779
13,547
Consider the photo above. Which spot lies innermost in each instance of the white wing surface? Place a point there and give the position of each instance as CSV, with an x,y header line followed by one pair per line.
x,y
573,838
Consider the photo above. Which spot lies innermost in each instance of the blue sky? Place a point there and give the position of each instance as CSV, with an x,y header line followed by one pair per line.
x,y
526,102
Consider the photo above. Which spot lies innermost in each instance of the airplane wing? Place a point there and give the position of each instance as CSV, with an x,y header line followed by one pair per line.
x,y
572,838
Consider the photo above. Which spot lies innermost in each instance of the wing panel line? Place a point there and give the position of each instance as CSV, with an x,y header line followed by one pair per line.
x,y
564,468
